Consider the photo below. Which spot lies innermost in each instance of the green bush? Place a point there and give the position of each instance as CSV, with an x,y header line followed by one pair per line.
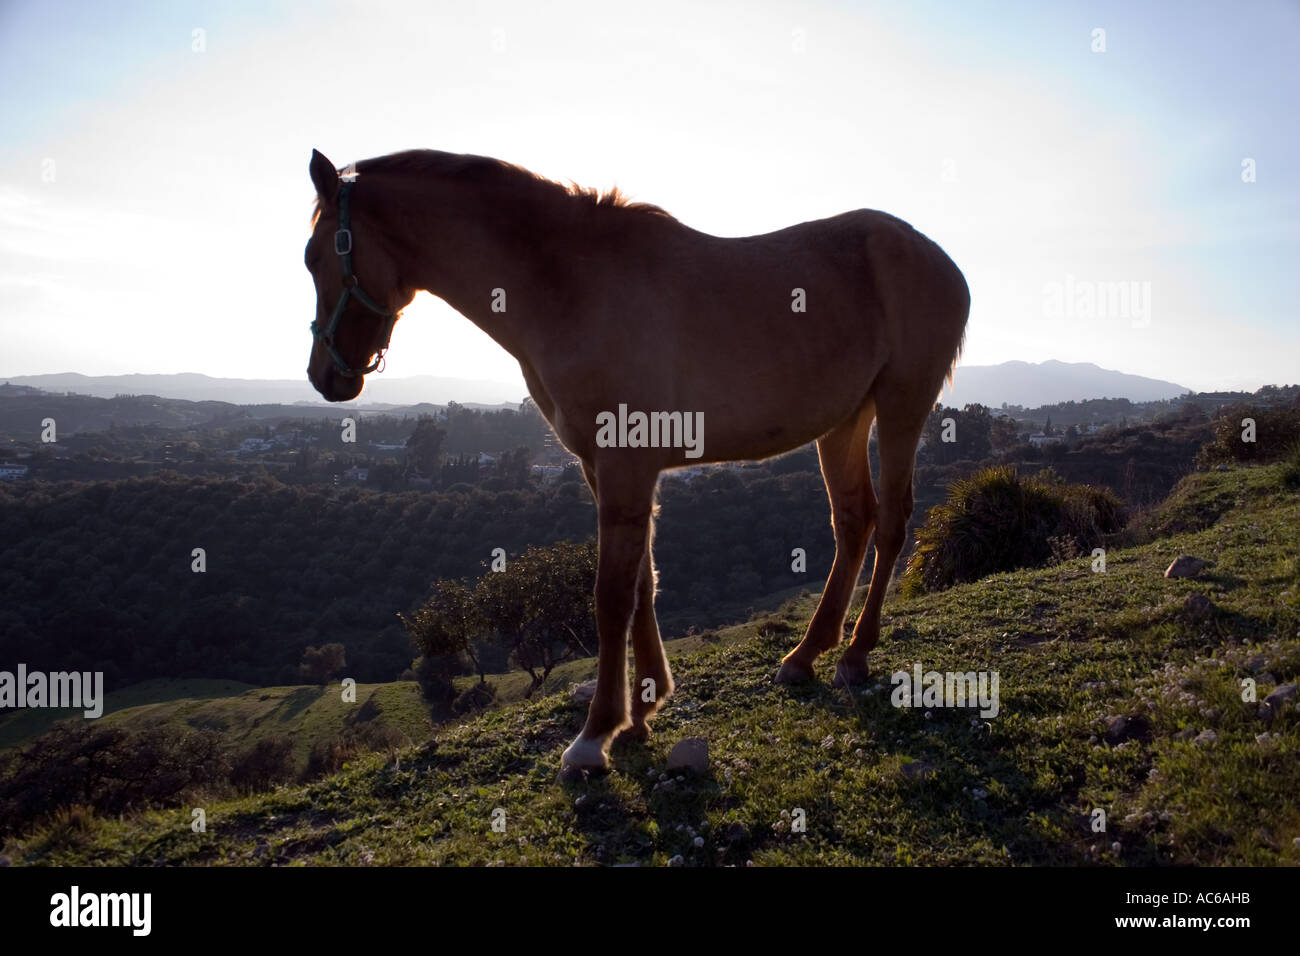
x,y
1291,466
1277,429
997,521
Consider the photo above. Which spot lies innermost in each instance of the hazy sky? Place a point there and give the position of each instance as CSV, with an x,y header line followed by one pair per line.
x,y
154,198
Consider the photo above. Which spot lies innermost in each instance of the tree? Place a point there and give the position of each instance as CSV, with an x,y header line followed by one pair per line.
x,y
424,447
543,606
319,664
1002,432
447,627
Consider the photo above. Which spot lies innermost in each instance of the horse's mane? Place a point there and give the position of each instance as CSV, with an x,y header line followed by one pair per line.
x,y
488,173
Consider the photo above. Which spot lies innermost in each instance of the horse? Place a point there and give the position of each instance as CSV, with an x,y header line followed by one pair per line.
x,y
630,328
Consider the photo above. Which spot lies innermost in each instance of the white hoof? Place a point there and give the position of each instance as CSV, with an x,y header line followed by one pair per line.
x,y
585,754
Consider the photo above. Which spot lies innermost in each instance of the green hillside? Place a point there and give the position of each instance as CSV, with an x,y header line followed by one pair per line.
x,y
1075,650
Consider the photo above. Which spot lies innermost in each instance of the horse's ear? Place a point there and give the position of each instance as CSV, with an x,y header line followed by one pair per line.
x,y
324,176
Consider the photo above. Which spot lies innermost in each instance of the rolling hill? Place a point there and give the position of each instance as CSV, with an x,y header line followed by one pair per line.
x,y
1118,694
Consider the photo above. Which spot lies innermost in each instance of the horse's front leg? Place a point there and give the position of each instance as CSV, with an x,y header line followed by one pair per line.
x,y
624,503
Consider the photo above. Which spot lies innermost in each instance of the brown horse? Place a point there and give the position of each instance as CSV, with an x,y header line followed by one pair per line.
x,y
649,346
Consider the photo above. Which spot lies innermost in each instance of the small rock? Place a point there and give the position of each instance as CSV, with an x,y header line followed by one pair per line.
x,y
1257,663
1185,566
678,860
1206,737
1121,729
1280,696
1222,468
1116,847
1115,727
1185,734
979,793
1198,604
584,692
698,841
691,754
1093,685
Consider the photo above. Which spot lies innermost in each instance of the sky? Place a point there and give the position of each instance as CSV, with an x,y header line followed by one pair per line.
x,y
1117,181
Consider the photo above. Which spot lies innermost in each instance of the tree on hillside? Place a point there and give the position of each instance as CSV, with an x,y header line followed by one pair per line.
x,y
319,664
424,447
448,626
542,606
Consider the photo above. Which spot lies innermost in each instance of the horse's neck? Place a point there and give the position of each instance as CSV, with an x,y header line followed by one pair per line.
x,y
481,270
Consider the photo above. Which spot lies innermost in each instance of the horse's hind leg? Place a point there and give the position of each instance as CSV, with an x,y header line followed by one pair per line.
x,y
898,429
654,681
843,454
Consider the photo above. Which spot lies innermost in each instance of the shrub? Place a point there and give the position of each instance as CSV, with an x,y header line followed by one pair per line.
x,y
268,762
1291,466
329,756
997,521
1276,430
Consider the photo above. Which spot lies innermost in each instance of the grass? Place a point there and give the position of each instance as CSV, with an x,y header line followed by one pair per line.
x,y
25,724
873,784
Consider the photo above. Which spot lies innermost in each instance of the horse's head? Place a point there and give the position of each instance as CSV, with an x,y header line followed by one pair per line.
x,y
358,293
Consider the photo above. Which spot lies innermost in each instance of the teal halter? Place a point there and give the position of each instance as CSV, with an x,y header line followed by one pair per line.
x,y
343,248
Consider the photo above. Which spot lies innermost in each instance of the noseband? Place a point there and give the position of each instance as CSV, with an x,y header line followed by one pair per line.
x,y
351,289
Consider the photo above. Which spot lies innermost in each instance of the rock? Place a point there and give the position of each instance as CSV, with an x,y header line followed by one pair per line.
x,y
1280,696
698,841
1207,737
1257,663
1185,566
584,692
678,860
1198,604
1185,734
691,753
1121,728
1222,468
1093,685
735,833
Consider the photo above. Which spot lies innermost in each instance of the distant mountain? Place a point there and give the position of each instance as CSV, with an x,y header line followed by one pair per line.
x,y
250,391
1016,383
1046,383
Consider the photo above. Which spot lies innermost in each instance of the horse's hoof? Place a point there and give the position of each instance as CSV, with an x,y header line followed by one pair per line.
x,y
792,672
584,755
850,675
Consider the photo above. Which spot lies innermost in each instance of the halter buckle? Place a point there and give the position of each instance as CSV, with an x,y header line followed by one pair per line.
x,y
343,242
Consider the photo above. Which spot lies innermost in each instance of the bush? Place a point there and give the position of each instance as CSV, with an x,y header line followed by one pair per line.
x,y
479,697
105,768
1291,466
328,757
997,521
1276,430
267,763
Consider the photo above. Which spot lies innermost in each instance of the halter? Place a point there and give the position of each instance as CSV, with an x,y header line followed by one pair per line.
x,y
343,248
